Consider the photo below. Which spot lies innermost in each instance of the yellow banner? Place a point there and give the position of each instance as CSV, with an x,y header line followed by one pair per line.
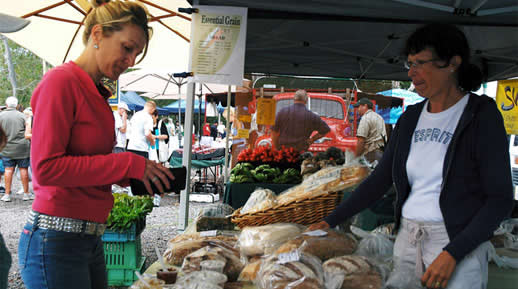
x,y
507,102
243,133
245,118
266,111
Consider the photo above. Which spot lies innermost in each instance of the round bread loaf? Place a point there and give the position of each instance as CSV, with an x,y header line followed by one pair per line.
x,y
358,271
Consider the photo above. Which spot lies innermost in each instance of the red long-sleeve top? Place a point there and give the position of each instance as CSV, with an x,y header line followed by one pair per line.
x,y
72,140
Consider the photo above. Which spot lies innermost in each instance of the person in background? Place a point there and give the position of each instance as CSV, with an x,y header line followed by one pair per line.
x,y
159,134
72,161
295,124
28,123
17,150
371,132
7,24
121,125
448,160
141,135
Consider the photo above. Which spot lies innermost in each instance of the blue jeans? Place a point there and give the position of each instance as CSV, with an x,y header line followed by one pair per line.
x,y
11,163
5,263
51,259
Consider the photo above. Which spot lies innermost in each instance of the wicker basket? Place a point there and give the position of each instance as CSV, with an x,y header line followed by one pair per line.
x,y
306,211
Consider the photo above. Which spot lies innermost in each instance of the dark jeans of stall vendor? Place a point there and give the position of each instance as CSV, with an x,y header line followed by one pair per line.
x,y
50,259
5,263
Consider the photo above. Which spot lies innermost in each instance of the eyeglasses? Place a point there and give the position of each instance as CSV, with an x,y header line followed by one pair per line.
x,y
418,63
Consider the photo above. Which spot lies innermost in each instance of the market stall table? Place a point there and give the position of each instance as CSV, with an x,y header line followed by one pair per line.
x,y
206,159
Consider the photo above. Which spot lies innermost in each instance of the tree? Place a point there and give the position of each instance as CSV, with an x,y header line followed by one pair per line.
x,y
28,69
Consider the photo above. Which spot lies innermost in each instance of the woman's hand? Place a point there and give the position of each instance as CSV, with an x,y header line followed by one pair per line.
x,y
157,174
439,272
322,225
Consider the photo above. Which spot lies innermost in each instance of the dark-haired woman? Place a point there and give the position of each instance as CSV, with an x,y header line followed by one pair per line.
x,y
449,163
73,164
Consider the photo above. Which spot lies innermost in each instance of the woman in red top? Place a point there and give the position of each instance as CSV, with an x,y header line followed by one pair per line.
x,y
73,167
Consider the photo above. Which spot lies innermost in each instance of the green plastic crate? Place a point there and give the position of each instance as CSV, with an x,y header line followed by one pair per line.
x,y
124,277
123,255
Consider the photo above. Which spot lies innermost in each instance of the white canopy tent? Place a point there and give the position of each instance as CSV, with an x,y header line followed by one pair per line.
x,y
55,32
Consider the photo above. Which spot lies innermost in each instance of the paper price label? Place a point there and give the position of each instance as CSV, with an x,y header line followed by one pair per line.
x,y
243,133
292,256
315,233
211,233
245,118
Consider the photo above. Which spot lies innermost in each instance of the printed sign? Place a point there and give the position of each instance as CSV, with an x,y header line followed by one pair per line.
x,y
266,111
507,102
243,133
292,256
218,37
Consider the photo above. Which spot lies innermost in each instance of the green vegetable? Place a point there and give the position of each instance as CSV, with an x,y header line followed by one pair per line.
x,y
289,176
128,210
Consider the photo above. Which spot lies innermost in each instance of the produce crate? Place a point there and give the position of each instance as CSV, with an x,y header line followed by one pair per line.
x,y
130,235
124,277
123,255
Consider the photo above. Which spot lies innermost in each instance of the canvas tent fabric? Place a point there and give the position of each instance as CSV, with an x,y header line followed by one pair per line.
x,y
136,103
173,106
363,39
409,96
50,35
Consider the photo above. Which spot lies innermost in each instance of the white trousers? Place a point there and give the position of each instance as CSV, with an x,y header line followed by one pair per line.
x,y
419,243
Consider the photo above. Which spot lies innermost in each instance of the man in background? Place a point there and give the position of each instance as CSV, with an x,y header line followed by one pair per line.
x,y
141,134
121,125
295,124
371,131
17,150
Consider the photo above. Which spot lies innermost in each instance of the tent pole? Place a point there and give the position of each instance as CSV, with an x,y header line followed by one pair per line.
x,y
227,134
183,214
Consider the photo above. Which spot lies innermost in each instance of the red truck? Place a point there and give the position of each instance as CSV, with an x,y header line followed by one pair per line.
x,y
334,110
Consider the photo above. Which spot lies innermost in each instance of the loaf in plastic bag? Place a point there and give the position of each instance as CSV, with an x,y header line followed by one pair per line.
x,y
259,200
296,271
322,244
183,245
373,245
330,179
261,240
501,261
250,271
351,272
215,251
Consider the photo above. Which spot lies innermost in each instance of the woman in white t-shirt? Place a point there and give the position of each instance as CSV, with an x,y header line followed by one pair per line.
x,y
448,161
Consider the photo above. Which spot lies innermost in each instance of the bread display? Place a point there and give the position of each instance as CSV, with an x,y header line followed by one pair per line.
x,y
215,251
331,245
303,273
263,240
357,272
250,271
259,200
330,179
183,245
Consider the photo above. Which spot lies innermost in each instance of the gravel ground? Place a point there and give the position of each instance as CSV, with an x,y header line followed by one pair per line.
x,y
160,227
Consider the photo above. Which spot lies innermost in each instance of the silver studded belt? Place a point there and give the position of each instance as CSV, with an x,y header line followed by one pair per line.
x,y
65,224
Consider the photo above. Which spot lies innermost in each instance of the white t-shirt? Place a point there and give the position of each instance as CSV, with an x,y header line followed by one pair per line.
x,y
119,136
141,122
425,162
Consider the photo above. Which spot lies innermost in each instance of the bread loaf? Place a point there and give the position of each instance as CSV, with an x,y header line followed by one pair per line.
x,y
324,247
178,248
289,275
250,271
263,240
358,271
215,251
259,200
